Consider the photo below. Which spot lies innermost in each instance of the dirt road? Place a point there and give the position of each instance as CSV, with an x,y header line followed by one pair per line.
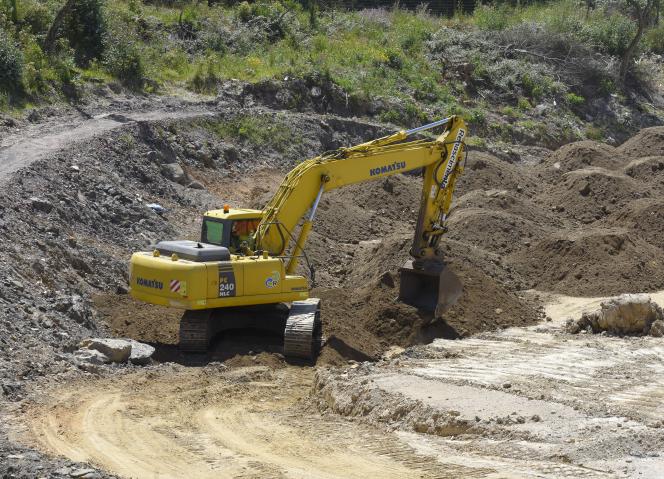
x,y
209,422
525,402
38,141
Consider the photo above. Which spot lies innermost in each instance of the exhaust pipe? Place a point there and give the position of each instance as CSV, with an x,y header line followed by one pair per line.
x,y
429,286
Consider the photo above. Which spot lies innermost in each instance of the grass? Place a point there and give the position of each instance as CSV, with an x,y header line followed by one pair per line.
x,y
260,130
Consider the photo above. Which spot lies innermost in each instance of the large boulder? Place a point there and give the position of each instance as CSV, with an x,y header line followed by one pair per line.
x,y
140,353
625,314
91,356
117,350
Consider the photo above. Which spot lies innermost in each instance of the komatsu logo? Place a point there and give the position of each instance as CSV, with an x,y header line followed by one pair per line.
x,y
453,157
397,165
149,283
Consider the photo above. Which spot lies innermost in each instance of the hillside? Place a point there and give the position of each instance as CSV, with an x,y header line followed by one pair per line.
x,y
537,75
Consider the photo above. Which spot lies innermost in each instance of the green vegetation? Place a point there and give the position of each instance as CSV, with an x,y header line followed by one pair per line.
x,y
408,65
261,130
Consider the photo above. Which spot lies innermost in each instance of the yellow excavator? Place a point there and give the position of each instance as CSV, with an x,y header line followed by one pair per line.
x,y
242,272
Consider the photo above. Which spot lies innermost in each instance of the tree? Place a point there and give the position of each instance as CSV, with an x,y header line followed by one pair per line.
x,y
82,23
643,13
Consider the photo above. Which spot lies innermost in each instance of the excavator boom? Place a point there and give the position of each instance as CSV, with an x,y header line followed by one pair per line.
x,y
425,283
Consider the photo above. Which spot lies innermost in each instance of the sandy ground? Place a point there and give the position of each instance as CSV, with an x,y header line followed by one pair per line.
x,y
208,422
527,402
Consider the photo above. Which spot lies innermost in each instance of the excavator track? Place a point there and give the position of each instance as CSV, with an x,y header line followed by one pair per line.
x,y
303,335
301,326
195,331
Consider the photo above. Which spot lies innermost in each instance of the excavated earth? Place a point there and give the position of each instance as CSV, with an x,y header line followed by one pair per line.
x,y
496,388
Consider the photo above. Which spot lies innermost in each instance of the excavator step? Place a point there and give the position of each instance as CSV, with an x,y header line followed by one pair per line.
x,y
302,335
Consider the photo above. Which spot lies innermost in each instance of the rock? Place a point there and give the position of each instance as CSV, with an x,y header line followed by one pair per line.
x,y
174,172
83,473
157,208
625,314
657,329
79,310
91,356
231,155
117,350
41,204
152,156
140,353
196,185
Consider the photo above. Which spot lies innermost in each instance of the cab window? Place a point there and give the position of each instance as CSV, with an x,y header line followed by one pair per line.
x,y
213,232
242,230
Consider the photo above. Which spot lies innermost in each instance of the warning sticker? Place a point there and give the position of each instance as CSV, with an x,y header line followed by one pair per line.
x,y
226,280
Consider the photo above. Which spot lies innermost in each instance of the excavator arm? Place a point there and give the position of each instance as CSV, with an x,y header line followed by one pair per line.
x,y
301,190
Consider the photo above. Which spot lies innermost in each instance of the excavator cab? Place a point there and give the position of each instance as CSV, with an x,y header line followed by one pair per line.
x,y
231,228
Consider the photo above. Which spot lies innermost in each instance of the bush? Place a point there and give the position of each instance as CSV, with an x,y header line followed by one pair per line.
x,y
610,34
269,17
574,99
488,17
38,17
85,29
654,39
11,64
123,60
206,78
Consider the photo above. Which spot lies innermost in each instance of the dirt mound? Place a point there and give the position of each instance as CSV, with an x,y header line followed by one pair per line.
x,y
593,262
649,169
645,218
496,231
486,172
369,320
648,142
583,154
589,194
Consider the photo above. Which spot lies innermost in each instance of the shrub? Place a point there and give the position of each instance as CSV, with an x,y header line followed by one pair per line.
x,y
654,39
610,34
489,17
206,78
11,64
123,60
85,29
574,99
269,17
38,17
477,117
523,104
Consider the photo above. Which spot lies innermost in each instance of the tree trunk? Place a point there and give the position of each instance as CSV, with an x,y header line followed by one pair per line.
x,y
628,56
52,36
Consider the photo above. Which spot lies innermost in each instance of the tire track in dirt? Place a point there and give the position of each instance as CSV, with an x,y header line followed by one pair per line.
x,y
246,423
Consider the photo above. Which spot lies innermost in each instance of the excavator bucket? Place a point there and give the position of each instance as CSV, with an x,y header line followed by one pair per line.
x,y
433,287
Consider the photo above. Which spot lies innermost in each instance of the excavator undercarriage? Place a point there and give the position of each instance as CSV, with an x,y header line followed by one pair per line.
x,y
299,324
